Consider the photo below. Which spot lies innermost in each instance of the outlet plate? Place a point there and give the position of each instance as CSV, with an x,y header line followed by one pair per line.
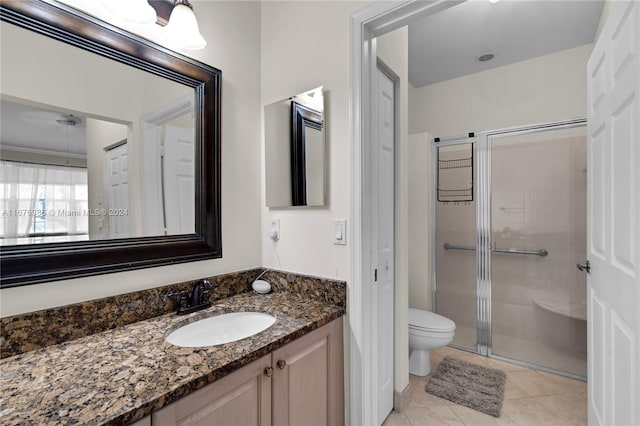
x,y
274,229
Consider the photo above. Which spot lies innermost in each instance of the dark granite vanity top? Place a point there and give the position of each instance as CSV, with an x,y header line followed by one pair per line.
x,y
122,375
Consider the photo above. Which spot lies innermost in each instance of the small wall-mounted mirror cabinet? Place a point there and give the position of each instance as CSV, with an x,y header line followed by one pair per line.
x,y
295,150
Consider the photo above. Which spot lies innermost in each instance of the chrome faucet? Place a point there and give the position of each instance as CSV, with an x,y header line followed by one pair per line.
x,y
199,298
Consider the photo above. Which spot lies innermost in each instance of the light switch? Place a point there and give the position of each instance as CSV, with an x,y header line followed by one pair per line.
x,y
340,232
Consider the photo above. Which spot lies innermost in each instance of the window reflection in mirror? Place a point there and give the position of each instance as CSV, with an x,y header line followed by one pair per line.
x,y
295,151
106,152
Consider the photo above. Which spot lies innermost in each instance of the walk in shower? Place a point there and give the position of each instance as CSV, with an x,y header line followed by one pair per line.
x,y
510,227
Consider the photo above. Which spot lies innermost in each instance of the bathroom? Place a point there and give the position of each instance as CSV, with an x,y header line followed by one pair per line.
x,y
261,69
526,115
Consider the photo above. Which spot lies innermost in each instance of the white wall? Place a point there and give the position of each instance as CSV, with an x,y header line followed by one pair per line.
x,y
232,31
603,18
547,88
306,45
420,235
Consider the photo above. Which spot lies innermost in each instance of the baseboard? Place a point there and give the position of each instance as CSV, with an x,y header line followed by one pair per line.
x,y
401,399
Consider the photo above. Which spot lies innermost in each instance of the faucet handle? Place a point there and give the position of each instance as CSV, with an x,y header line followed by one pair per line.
x,y
181,296
206,290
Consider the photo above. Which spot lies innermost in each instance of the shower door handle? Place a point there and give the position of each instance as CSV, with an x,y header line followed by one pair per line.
x,y
586,266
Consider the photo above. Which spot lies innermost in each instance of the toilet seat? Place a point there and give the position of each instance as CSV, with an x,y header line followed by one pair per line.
x,y
431,322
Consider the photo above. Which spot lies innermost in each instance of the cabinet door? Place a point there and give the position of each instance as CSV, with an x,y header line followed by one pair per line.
x,y
308,379
242,398
143,422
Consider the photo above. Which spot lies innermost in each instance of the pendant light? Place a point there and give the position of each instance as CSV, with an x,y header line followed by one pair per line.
x,y
134,11
68,120
182,29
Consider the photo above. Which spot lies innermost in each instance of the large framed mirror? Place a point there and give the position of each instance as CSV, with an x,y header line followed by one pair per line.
x,y
109,149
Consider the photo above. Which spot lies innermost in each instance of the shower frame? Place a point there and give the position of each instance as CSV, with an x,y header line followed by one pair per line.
x,y
483,225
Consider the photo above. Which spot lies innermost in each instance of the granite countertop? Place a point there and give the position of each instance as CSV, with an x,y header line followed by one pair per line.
x,y
122,375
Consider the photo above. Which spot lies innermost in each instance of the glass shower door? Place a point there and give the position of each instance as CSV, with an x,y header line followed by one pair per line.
x,y
538,234
455,236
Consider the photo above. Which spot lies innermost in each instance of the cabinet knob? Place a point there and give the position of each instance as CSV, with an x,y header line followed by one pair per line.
x,y
282,364
268,371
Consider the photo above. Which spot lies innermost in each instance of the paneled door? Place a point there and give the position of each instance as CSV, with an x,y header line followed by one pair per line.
x,y
118,181
179,180
384,285
613,244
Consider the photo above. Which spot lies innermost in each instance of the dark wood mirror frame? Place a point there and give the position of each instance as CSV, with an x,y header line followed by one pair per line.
x,y
36,263
301,118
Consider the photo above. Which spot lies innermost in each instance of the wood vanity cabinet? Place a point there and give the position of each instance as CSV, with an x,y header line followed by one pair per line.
x,y
300,384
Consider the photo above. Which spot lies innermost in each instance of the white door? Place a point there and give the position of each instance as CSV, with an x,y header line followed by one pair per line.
x,y
179,180
118,181
613,246
384,286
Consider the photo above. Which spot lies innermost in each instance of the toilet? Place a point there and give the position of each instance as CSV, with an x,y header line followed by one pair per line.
x,y
427,331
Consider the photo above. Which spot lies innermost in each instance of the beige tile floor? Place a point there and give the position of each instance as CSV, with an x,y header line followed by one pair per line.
x,y
531,398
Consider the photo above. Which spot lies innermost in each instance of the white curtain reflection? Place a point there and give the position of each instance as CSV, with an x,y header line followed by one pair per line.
x,y
42,203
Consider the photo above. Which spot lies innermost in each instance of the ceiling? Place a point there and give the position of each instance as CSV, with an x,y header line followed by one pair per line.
x,y
446,45
31,128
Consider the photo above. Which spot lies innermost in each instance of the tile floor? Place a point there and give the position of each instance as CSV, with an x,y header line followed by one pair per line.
x,y
531,398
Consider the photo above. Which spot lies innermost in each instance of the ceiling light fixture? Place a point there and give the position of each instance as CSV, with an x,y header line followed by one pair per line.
x,y
69,120
182,29
493,1
486,57
134,11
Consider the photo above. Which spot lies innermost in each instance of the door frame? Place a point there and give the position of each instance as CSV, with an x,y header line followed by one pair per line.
x,y
374,20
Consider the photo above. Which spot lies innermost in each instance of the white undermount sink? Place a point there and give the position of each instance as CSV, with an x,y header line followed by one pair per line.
x,y
219,329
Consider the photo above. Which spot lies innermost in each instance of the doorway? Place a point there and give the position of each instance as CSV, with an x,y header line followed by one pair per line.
x,y
377,19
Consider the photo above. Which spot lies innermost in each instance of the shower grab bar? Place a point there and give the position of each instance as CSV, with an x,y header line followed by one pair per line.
x,y
541,252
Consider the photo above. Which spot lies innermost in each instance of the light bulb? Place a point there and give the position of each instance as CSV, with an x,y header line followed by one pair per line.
x,y
182,29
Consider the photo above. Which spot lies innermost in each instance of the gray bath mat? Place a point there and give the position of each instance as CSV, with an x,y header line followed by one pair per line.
x,y
468,384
